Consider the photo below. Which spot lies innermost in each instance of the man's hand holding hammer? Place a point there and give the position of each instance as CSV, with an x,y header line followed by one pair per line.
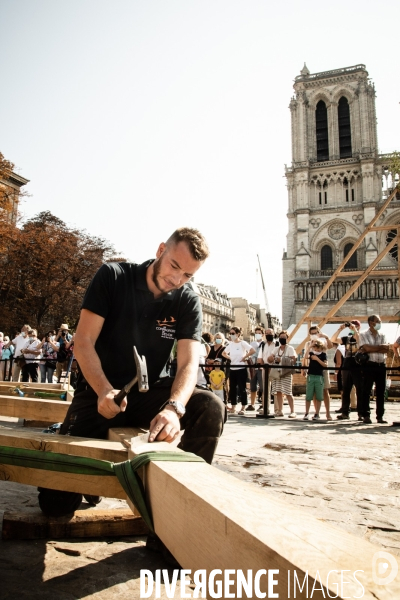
x,y
165,426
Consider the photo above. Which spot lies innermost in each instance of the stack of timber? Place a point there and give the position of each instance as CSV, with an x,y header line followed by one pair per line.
x,y
195,513
30,523
36,406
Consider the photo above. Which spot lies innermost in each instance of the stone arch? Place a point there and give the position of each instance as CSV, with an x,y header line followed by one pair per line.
x,y
318,95
340,91
321,236
348,239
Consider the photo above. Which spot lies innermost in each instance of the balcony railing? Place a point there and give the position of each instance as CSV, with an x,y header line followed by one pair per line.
x,y
374,288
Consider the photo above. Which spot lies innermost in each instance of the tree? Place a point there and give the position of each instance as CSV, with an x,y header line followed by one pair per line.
x,y
47,267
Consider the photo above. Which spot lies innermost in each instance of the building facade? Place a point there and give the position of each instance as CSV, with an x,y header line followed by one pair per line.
x,y
246,316
216,307
10,192
336,184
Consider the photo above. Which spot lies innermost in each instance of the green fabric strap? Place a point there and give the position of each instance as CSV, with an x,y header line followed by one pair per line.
x,y
124,471
132,484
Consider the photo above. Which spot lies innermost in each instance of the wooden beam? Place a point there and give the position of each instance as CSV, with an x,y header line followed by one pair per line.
x,y
35,409
194,508
195,513
379,273
357,283
32,524
124,434
349,292
342,265
32,386
386,227
361,318
96,485
17,437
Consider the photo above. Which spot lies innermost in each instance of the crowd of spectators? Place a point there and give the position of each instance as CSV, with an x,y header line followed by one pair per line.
x,y
227,366
359,364
26,357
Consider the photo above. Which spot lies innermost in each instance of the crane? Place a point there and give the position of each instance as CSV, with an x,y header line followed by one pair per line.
x,y
265,293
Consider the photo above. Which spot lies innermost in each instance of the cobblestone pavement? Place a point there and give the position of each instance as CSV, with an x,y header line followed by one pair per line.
x,y
343,472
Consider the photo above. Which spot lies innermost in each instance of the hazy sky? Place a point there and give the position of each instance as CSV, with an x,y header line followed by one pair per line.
x,y
131,118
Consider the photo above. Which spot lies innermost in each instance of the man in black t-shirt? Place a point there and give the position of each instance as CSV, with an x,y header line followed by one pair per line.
x,y
148,306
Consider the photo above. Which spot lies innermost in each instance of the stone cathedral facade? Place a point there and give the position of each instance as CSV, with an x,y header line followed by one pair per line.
x,y
336,184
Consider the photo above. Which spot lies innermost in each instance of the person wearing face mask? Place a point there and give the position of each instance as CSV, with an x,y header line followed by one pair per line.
x,y
237,351
18,342
374,343
6,356
216,351
266,350
257,379
283,385
316,334
351,371
315,380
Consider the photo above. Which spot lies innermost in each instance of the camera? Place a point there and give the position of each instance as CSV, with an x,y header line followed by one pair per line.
x,y
63,333
347,323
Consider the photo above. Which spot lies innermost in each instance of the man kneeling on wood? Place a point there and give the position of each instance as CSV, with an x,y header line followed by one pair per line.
x,y
148,306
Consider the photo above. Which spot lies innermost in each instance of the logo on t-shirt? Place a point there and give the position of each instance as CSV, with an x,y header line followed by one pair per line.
x,y
167,328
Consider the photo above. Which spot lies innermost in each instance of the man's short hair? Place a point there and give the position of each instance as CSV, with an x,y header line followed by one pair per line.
x,y
194,239
259,328
371,318
313,327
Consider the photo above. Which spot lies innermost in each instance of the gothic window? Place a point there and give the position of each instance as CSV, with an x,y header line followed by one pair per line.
x,y
344,128
321,125
326,258
323,196
352,262
348,190
394,252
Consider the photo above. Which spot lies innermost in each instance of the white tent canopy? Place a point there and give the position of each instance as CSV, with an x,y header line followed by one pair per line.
x,y
391,331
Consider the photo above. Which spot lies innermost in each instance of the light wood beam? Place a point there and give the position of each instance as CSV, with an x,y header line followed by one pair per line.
x,y
342,264
35,409
63,444
195,513
349,292
32,524
96,485
357,283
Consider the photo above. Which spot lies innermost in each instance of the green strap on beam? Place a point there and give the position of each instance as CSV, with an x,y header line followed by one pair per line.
x,y
126,471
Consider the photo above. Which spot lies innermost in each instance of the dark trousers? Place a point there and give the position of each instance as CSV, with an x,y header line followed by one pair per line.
x,y
237,378
353,376
203,423
374,373
30,370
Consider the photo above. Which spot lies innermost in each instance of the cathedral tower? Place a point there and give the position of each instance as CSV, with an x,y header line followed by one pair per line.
x,y
336,183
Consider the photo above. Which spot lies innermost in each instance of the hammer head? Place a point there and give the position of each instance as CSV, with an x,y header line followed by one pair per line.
x,y
141,371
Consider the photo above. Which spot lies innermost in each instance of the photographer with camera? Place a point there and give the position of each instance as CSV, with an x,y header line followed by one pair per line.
x,y
64,340
352,373
47,365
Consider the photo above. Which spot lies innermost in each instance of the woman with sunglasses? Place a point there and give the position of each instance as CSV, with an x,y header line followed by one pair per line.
x,y
237,351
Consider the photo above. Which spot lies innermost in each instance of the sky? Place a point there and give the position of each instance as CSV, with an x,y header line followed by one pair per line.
x,y
131,118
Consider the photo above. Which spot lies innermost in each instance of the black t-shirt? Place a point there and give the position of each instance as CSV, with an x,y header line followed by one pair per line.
x,y
315,367
119,294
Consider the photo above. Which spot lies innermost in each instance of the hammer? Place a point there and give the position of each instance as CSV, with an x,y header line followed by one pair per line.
x,y
140,378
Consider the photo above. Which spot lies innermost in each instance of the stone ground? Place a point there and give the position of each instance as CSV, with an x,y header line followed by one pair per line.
x,y
343,472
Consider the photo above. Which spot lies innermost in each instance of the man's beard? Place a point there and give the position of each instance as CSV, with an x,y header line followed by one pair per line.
x,y
155,274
